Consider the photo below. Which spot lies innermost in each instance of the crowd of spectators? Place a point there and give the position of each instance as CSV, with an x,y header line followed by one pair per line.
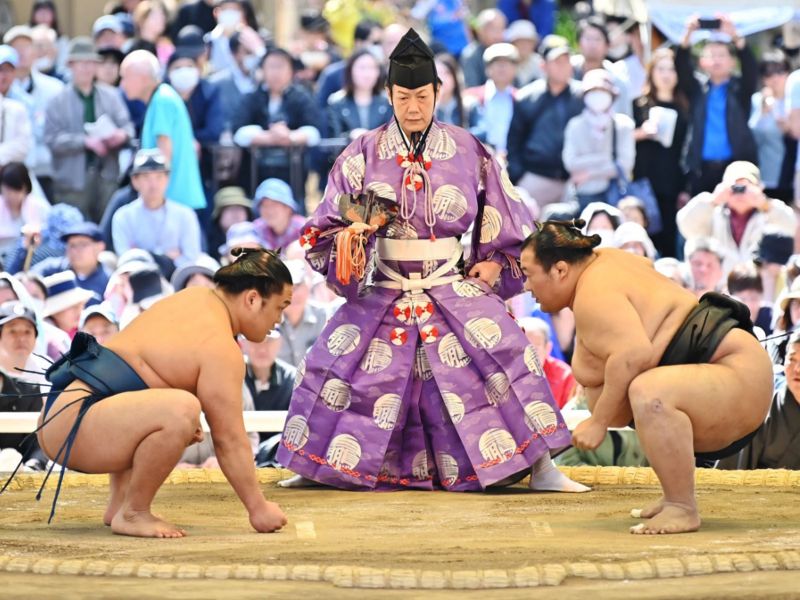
x,y
133,160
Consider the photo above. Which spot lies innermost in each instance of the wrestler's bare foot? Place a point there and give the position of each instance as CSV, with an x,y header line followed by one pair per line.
x,y
649,511
143,524
545,477
673,518
298,481
113,509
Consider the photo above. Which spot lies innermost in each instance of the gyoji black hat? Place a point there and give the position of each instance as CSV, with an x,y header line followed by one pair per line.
x,y
411,63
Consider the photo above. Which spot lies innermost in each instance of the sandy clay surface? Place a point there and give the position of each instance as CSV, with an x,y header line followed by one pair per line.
x,y
748,547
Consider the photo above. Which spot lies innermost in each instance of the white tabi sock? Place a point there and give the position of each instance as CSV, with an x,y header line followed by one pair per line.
x,y
298,481
545,477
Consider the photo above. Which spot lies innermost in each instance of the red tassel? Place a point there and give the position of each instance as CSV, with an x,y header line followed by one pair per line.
x,y
433,237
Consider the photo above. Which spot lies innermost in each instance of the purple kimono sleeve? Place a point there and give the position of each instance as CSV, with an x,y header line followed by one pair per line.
x,y
319,233
505,223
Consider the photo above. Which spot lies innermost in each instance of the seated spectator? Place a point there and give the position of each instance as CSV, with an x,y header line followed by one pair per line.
x,y
240,235
361,105
674,269
118,292
198,274
167,126
491,106
772,255
770,125
36,245
522,33
598,143
788,309
705,256
100,322
744,284
774,445
14,120
633,211
18,333
269,379
541,113
558,373
719,103
34,90
231,206
83,245
279,222
86,125
277,115
735,214
303,320
633,238
148,286
153,222
490,25
602,219
19,208
65,301
449,103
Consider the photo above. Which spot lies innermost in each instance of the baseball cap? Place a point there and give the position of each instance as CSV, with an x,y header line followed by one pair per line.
x,y
278,190
8,55
101,310
106,22
147,161
742,169
521,29
501,50
87,228
13,310
16,32
553,46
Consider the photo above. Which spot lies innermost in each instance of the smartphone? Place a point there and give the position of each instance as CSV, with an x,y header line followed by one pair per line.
x,y
738,188
709,23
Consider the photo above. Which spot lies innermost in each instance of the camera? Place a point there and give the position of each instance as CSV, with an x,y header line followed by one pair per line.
x,y
738,188
709,23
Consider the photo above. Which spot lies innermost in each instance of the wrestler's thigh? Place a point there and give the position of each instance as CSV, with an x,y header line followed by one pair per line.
x,y
113,428
721,400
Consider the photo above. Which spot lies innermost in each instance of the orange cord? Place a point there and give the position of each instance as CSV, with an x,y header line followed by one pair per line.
x,y
351,255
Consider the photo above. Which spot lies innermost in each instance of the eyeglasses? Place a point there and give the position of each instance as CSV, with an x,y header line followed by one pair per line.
x,y
79,245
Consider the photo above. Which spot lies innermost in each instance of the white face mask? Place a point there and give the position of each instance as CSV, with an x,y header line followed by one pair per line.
x,y
43,64
251,62
229,18
597,101
184,79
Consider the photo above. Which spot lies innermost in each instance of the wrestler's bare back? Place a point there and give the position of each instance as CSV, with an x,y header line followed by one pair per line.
x,y
170,343
613,279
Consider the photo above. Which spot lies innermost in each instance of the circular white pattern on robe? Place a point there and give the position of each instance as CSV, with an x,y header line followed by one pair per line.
x,y
422,366
497,445
455,406
429,334
440,146
491,225
386,411
344,340
336,395
449,203
451,352
344,452
400,229
532,361
526,231
508,187
483,333
540,417
496,388
447,467
296,432
377,357
398,336
467,289
382,189
301,372
353,168
420,466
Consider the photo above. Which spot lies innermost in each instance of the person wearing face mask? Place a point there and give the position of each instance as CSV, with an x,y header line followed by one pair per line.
x,y
231,18
204,103
45,52
598,143
86,125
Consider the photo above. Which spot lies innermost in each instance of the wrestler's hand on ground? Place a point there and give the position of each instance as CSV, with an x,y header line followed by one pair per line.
x,y
267,517
487,271
589,434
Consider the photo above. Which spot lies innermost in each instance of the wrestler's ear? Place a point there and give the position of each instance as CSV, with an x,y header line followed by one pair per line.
x,y
561,269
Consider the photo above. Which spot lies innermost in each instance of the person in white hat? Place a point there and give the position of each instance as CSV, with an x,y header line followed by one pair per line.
x,y
100,322
633,238
736,213
65,301
14,120
523,35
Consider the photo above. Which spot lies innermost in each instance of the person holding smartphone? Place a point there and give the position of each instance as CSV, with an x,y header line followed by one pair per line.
x,y
719,102
735,213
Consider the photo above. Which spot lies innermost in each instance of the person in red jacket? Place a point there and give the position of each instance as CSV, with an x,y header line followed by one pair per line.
x,y
556,371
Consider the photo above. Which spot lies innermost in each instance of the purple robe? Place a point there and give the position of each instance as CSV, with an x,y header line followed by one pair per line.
x,y
433,389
